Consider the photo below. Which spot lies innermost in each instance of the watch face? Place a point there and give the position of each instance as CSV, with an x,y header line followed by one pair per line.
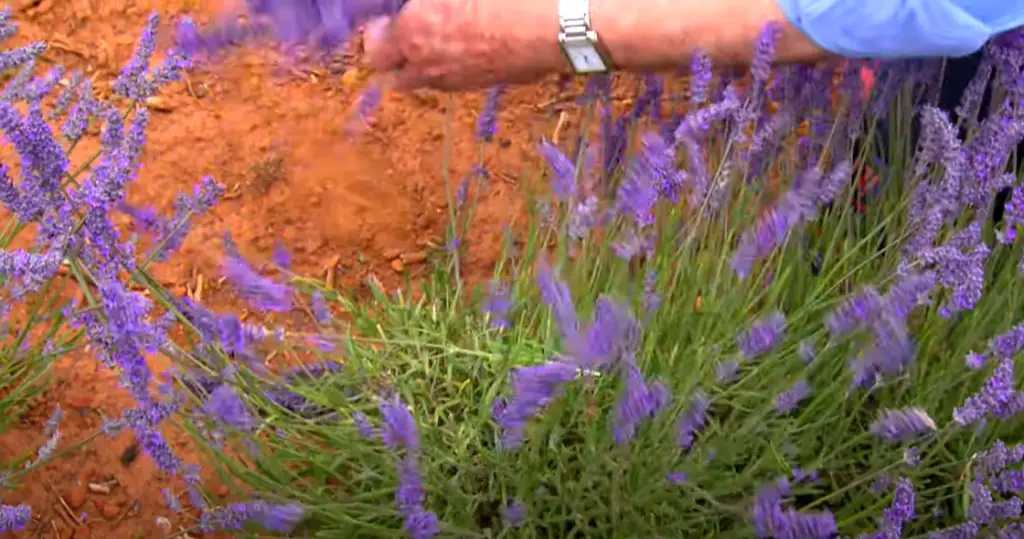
x,y
585,58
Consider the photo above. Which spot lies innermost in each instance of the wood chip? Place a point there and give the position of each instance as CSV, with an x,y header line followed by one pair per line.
x,y
99,488
199,287
562,117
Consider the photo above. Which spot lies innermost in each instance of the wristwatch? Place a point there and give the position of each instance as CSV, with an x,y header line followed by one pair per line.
x,y
579,40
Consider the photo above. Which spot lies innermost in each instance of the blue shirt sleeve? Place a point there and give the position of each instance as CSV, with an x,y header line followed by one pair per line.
x,y
903,28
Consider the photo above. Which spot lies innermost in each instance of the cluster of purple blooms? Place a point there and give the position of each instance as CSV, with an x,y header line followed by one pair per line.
x,y
72,214
942,257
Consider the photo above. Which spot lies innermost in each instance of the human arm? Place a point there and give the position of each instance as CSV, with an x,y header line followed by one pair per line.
x,y
644,34
464,44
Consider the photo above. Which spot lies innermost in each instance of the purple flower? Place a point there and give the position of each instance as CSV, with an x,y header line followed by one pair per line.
x,y
533,388
764,51
321,312
260,291
997,398
513,514
555,294
898,514
368,102
421,524
122,335
700,78
498,304
651,172
639,401
763,335
962,274
997,458
583,216
171,500
854,312
276,518
772,520
132,82
788,401
30,270
900,425
1004,345
563,171
170,233
43,164
727,371
889,353
693,420
798,205
677,478
487,123
410,493
399,430
225,406
14,518
806,351
23,55
282,258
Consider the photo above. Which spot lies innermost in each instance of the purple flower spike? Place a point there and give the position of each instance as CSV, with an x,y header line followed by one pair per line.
x,y
14,518
898,426
763,335
399,430
693,420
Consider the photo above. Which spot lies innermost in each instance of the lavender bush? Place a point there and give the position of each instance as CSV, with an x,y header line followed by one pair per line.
x,y
709,329
62,204
698,335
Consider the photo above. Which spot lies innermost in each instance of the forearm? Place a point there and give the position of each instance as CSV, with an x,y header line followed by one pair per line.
x,y
662,34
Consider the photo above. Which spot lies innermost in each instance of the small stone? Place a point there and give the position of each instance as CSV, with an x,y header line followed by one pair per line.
x,y
397,265
391,253
222,491
414,258
159,104
110,510
81,532
76,496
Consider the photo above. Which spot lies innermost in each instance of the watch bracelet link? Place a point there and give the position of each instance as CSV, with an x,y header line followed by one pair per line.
x,y
575,26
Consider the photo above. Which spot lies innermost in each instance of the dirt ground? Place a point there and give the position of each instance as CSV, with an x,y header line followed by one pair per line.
x,y
367,203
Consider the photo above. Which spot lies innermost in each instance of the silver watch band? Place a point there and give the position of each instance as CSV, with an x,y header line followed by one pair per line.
x,y
578,38
574,18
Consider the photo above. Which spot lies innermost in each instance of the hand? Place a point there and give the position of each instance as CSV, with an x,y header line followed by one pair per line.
x,y
466,44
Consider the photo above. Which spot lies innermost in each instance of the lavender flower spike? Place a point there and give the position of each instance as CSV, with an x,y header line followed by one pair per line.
x,y
898,426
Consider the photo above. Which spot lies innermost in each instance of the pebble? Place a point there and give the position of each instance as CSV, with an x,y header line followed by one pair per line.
x,y
81,532
397,265
76,496
414,258
159,104
110,510
222,491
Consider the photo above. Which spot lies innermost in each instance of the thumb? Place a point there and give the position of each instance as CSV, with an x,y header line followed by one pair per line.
x,y
381,45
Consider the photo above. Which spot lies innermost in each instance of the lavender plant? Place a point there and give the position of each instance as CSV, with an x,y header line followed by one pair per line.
x,y
707,330
62,204
718,344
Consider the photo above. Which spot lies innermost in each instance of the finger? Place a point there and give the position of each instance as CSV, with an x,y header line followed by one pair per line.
x,y
380,41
